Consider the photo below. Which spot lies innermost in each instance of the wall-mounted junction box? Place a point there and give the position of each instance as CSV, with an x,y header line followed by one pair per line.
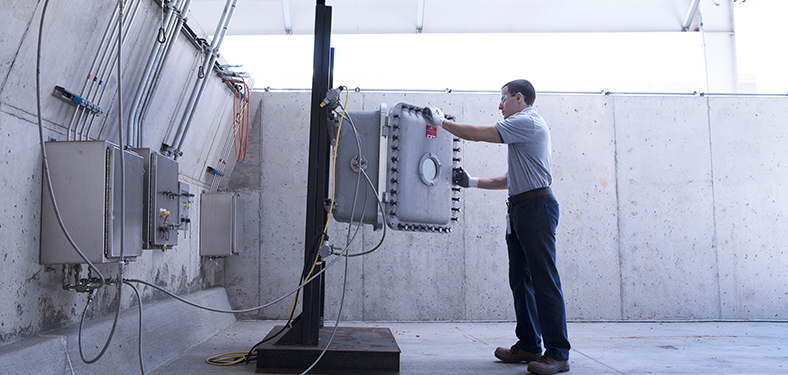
x,y
221,224
86,180
161,198
414,165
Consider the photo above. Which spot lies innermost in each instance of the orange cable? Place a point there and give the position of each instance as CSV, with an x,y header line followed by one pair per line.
x,y
247,116
235,148
239,117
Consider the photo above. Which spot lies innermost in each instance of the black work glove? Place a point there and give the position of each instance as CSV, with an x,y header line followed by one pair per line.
x,y
461,178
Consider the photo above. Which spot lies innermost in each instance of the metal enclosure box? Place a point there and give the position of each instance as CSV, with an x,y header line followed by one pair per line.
x,y
368,124
414,165
161,198
421,158
86,180
221,224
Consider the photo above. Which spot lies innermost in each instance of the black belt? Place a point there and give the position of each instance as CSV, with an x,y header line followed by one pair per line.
x,y
530,194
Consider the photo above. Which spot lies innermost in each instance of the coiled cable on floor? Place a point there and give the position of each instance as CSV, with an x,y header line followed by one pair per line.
x,y
226,359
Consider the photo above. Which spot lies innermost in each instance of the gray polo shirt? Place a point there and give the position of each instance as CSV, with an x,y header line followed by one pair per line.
x,y
528,139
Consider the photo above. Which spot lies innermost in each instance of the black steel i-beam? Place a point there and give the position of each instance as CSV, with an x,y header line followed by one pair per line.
x,y
306,327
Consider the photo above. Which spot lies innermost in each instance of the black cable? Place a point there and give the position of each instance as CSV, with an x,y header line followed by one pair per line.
x,y
310,255
249,355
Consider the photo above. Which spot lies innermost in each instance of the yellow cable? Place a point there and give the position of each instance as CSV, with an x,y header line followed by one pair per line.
x,y
334,163
331,205
226,359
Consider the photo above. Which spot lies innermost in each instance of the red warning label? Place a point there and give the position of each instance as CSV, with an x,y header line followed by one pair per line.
x,y
432,132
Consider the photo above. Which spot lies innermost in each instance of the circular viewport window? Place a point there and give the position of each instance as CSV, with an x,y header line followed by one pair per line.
x,y
429,169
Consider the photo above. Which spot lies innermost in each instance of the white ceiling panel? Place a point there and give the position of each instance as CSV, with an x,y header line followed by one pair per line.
x,y
266,17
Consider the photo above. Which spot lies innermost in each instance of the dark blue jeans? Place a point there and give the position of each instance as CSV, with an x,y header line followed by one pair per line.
x,y
533,277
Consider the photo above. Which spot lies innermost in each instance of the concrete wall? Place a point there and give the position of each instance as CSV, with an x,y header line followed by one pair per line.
x,y
31,299
671,208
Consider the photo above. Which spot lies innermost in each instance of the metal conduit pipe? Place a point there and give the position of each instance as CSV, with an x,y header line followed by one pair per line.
x,y
78,109
208,69
104,68
221,29
98,71
107,69
143,87
200,75
96,74
172,34
224,155
153,80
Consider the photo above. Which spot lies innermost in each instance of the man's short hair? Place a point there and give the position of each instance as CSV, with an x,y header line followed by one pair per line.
x,y
523,87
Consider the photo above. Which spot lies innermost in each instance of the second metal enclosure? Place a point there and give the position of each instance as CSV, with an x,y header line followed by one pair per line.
x,y
161,219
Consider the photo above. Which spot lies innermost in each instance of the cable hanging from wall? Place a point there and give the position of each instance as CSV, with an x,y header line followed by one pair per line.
x,y
91,287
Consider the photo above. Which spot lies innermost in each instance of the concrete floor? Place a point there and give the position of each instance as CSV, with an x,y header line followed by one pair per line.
x,y
598,348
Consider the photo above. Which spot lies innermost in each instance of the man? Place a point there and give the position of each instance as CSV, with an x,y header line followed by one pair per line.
x,y
533,217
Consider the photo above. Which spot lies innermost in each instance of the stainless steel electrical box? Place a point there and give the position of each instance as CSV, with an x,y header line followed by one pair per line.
x,y
352,157
86,180
420,161
221,224
161,198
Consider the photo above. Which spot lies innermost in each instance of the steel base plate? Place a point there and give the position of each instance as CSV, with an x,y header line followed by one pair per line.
x,y
354,350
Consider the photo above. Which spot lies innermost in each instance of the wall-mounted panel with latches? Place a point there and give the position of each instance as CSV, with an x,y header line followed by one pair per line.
x,y
414,165
420,161
161,197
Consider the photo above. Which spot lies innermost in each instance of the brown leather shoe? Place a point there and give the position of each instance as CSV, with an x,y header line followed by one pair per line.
x,y
547,366
515,354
